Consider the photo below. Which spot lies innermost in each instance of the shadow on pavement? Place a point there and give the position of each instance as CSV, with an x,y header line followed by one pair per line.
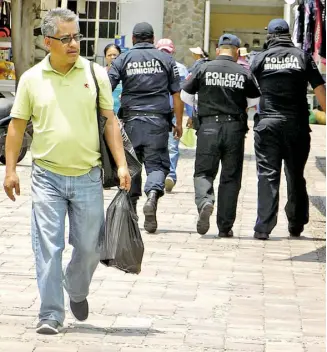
x,y
271,238
190,154
321,164
163,231
123,331
318,255
187,153
320,203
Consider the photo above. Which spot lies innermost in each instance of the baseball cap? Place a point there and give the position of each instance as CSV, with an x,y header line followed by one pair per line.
x,y
229,39
166,44
278,25
143,29
197,51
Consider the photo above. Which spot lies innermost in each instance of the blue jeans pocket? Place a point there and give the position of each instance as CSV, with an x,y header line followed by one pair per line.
x,y
95,174
37,170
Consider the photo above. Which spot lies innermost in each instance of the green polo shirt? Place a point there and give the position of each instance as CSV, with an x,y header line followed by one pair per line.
x,y
63,112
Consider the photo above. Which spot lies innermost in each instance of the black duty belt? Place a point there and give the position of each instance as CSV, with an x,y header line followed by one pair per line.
x,y
133,113
220,118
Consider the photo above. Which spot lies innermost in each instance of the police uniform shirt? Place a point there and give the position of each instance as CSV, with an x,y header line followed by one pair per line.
x,y
222,86
148,77
283,73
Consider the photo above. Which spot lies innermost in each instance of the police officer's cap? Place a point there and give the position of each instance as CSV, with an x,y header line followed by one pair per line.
x,y
229,39
143,29
278,26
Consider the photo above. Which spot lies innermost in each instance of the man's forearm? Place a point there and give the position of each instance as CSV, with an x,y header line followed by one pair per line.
x,y
178,108
320,92
14,141
114,139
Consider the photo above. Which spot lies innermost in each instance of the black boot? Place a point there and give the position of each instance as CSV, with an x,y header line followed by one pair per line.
x,y
261,235
295,230
150,212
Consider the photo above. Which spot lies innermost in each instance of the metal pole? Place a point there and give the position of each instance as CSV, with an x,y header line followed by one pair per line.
x,y
97,24
206,26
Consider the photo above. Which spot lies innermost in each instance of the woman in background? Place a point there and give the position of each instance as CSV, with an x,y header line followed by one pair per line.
x,y
111,52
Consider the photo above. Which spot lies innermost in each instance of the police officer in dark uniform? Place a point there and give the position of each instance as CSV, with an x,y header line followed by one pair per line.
x,y
282,129
148,77
223,87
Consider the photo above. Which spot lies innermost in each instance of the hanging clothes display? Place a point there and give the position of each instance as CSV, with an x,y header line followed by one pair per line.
x,y
322,50
309,31
309,25
296,27
318,30
5,19
300,30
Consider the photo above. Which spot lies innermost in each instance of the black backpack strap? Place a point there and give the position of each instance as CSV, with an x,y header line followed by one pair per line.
x,y
96,85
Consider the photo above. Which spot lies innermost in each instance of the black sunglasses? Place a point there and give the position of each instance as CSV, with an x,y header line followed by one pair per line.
x,y
67,40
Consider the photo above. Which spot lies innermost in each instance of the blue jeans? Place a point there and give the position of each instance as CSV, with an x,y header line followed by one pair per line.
x,y
173,147
53,196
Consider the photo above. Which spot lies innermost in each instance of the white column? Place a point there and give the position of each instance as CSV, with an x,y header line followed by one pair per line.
x,y
287,13
97,24
132,12
64,4
206,26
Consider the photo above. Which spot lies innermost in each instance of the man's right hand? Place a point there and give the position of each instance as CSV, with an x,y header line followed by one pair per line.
x,y
10,184
178,132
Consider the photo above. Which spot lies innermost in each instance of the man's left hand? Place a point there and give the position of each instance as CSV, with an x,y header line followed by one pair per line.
x,y
189,123
124,178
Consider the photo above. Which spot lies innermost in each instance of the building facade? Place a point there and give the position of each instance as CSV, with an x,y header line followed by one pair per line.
x,y
186,22
102,20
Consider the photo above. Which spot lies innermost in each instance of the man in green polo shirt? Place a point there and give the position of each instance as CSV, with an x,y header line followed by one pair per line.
x,y
59,95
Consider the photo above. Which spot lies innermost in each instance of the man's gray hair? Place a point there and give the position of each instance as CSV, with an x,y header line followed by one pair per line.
x,y
49,26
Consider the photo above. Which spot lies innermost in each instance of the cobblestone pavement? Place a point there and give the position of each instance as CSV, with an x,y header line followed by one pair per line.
x,y
194,293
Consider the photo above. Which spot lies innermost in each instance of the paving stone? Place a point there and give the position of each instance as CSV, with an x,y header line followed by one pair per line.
x,y
195,293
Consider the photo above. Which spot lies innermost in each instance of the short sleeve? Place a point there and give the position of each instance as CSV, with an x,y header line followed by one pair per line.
x,y
312,73
191,84
174,79
22,108
255,66
114,72
105,94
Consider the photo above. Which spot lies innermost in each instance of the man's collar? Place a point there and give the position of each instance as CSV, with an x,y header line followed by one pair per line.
x,y
144,45
225,57
46,66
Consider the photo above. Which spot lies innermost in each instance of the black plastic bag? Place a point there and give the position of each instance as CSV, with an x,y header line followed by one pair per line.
x,y
122,246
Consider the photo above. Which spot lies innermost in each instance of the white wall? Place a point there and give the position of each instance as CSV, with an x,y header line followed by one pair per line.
x,y
135,11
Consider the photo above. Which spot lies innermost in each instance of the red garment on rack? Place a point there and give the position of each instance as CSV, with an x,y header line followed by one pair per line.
x,y
318,30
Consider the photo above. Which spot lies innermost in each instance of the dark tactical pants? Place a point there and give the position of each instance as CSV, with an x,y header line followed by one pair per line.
x,y
276,140
151,146
220,142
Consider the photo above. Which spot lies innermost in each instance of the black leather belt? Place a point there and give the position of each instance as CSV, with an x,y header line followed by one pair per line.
x,y
220,118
